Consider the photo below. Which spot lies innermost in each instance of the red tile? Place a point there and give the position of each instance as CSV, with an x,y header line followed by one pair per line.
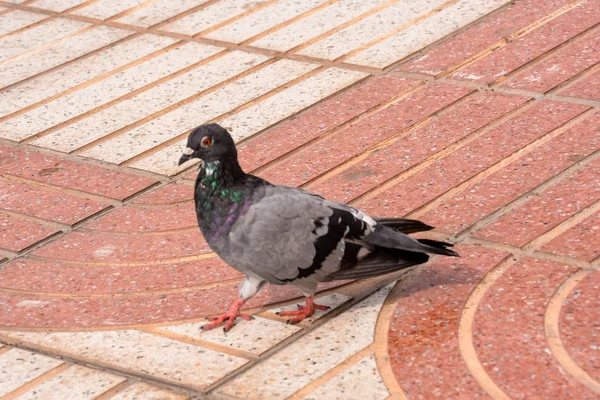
x,y
544,212
582,241
129,248
74,175
316,121
168,194
109,311
578,325
423,334
475,157
46,204
460,120
133,219
17,234
535,43
481,36
84,279
481,199
508,334
318,158
585,88
564,64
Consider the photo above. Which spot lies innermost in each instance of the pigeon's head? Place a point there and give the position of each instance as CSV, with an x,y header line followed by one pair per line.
x,y
209,142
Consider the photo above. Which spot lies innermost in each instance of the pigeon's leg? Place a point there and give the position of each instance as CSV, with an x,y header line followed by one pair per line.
x,y
303,311
249,288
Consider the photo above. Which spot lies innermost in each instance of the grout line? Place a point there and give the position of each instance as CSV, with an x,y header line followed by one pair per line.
x,y
176,105
183,14
499,165
288,22
21,390
196,257
131,10
401,28
115,390
536,191
25,28
405,174
37,220
127,96
574,80
200,342
233,111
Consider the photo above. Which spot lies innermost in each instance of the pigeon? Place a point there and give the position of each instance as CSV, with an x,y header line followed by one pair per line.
x,y
288,236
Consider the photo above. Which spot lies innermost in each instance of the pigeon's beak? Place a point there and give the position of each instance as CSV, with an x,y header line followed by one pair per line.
x,y
187,155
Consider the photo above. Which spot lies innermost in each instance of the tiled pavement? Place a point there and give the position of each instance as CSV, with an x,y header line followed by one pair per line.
x,y
479,117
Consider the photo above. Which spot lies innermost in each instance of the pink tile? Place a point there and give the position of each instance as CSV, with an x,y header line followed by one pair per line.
x,y
581,241
585,88
17,234
533,44
132,219
169,194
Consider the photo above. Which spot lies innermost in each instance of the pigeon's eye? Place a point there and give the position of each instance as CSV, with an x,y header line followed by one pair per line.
x,y
206,142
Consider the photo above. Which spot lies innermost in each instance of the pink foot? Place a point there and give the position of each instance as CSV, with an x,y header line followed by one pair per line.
x,y
303,311
228,318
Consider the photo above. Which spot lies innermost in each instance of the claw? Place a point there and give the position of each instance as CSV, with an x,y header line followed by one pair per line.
x,y
303,312
228,318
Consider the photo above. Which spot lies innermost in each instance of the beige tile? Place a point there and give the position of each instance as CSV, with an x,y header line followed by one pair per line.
x,y
18,19
141,353
143,391
316,24
77,72
166,94
76,103
425,32
333,300
289,101
15,1
312,355
262,20
75,383
370,28
56,5
210,16
255,336
359,382
158,11
58,53
104,9
200,111
45,33
17,367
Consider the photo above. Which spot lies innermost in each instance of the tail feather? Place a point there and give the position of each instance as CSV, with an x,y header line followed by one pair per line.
x,y
380,262
384,236
404,225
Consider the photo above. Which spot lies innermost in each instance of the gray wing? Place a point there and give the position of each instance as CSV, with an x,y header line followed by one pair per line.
x,y
288,234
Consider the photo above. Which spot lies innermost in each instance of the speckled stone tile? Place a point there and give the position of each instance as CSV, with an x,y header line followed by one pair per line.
x,y
130,219
17,367
581,241
140,353
18,19
312,355
167,195
59,53
70,75
17,234
256,336
333,301
525,48
369,29
359,382
42,203
151,101
424,32
56,5
143,391
75,383
86,99
179,121
481,36
315,24
255,23
158,11
584,88
562,65
40,35
104,9
210,16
